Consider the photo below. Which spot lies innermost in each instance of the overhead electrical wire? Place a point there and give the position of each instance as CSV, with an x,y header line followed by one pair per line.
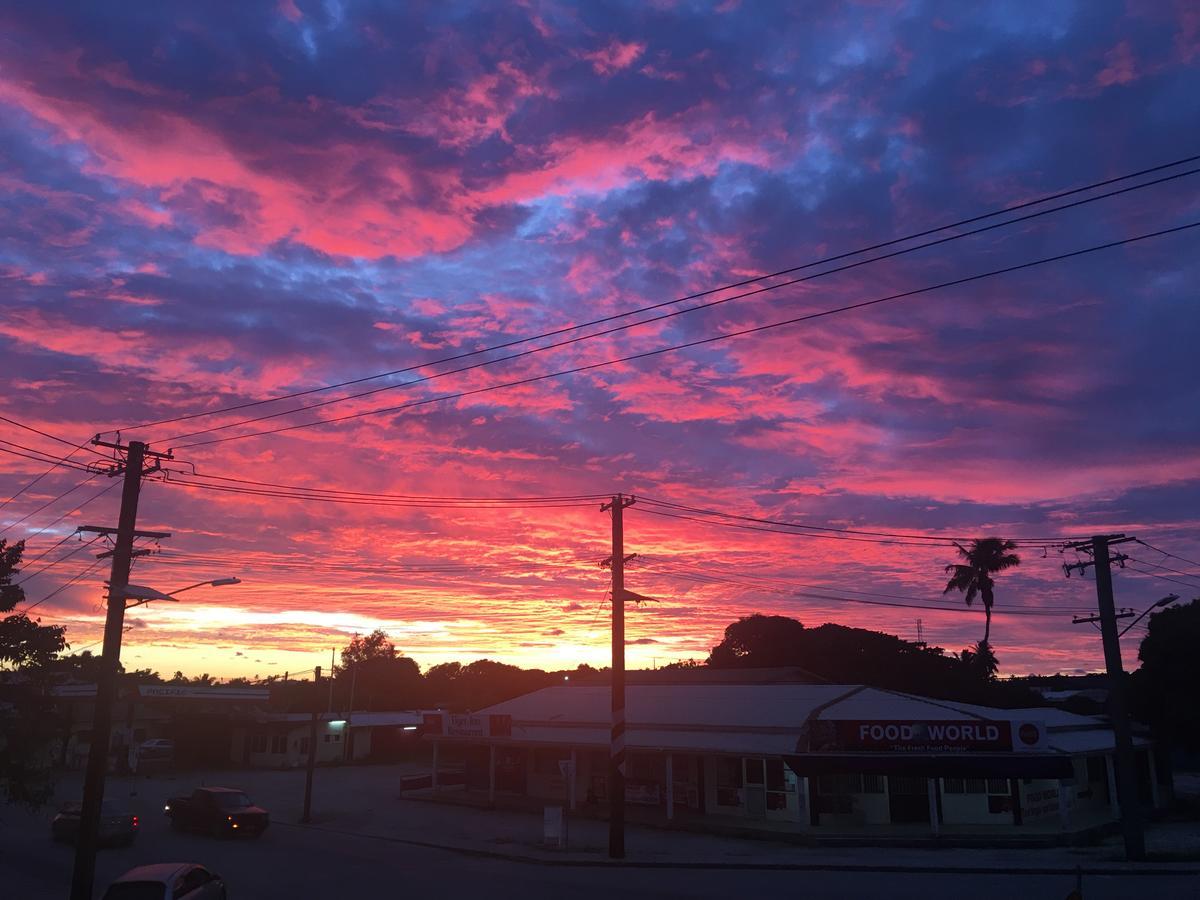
x,y
83,546
96,496
62,587
938,539
697,295
653,562
1144,562
54,463
1184,559
1187,584
812,595
707,340
48,503
658,318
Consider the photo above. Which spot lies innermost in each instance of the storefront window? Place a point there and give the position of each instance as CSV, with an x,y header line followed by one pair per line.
x,y
729,781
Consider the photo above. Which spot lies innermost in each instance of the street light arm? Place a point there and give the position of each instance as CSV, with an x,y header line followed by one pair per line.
x,y
213,582
1165,601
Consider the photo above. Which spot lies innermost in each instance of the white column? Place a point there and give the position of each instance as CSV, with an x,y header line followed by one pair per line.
x,y
435,765
572,781
670,786
1111,771
491,774
1153,778
932,787
1064,802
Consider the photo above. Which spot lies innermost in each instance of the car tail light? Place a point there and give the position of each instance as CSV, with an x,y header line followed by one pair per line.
x,y
135,821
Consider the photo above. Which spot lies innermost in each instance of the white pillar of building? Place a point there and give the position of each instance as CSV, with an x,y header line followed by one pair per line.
x,y
1111,771
435,765
934,822
1153,779
491,774
1064,802
572,780
670,786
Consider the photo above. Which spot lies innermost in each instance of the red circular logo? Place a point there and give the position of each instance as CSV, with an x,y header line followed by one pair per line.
x,y
1029,734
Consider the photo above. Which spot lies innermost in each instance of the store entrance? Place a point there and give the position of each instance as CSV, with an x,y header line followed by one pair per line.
x,y
908,799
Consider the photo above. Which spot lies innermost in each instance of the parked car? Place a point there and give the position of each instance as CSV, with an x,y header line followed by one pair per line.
x,y
218,811
156,748
116,826
167,881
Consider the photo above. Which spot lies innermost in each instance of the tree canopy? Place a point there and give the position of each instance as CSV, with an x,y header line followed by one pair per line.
x,y
1164,688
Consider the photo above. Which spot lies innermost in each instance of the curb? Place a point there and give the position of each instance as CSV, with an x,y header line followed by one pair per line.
x,y
525,859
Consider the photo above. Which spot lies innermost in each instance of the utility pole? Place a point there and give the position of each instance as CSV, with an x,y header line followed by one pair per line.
x,y
1127,779
84,871
616,745
312,750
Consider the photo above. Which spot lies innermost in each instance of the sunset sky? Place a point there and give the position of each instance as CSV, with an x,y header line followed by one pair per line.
x,y
210,204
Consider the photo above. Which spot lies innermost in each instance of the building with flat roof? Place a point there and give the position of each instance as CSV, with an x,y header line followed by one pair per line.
x,y
817,758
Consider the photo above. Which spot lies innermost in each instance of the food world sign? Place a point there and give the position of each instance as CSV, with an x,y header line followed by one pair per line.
x,y
946,736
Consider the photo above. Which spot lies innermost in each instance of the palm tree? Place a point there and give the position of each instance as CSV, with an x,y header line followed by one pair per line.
x,y
983,559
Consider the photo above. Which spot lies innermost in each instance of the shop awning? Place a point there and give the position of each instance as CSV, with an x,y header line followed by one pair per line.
x,y
1022,765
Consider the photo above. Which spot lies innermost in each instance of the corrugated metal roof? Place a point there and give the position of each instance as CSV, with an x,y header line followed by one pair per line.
x,y
756,718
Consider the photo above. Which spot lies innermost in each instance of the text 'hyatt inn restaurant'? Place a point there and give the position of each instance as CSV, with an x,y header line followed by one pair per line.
x,y
815,758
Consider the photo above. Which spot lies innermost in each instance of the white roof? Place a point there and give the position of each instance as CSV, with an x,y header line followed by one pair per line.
x,y
356,719
756,718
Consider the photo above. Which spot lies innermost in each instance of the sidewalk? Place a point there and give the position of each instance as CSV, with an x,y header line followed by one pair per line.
x,y
423,821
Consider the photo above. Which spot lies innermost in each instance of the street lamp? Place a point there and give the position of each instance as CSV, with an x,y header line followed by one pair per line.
x,y
141,594
1165,601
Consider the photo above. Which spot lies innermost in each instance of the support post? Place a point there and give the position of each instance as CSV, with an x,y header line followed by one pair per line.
x,y
1154,798
1110,771
670,786
84,872
935,825
434,782
1127,783
1064,803
306,817
491,774
571,782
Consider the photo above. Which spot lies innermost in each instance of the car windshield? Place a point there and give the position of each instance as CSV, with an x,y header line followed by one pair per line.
x,y
233,800
136,890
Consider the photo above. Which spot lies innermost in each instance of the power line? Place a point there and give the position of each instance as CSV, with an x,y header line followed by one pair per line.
x,y
939,539
1187,584
708,340
41,459
780,582
96,496
1166,568
61,559
393,496
62,587
659,318
694,296
69,490
1190,562
366,501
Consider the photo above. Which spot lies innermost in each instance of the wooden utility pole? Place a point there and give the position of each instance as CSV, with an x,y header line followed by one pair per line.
x,y
84,871
616,746
1127,777
305,817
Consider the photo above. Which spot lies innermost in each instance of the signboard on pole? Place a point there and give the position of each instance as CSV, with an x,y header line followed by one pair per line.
x,y
195,692
467,725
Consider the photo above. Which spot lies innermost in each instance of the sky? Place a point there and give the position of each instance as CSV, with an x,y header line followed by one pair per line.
x,y
206,205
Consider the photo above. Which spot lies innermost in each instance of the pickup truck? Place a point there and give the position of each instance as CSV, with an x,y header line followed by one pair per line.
x,y
217,811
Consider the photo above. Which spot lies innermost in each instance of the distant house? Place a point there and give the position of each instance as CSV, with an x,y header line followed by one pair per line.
x,y
280,740
814,758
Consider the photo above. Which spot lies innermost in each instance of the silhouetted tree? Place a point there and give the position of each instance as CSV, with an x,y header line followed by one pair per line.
x,y
759,641
27,726
375,675
984,558
1164,688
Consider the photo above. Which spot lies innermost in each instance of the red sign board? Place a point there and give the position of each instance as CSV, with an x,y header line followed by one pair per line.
x,y
930,736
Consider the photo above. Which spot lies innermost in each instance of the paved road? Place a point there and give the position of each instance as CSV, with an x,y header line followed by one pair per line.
x,y
293,862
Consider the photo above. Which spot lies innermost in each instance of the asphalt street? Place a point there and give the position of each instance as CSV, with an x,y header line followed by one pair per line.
x,y
291,861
